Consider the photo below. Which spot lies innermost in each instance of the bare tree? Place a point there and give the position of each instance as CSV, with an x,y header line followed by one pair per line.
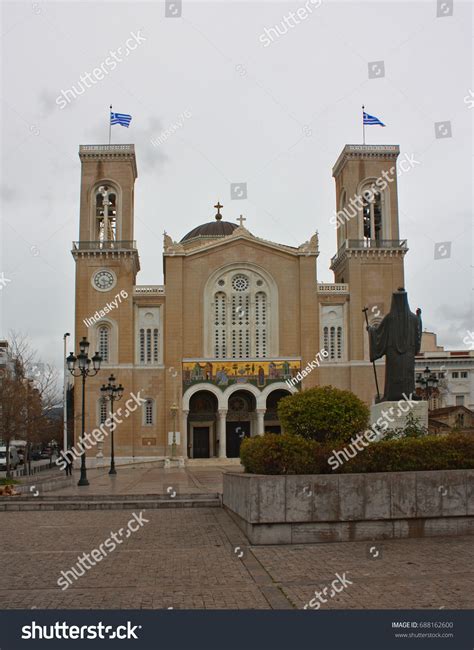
x,y
28,393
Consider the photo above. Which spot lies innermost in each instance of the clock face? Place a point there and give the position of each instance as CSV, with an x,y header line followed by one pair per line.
x,y
104,280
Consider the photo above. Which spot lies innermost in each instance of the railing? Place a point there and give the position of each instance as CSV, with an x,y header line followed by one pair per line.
x,y
150,290
370,244
376,243
103,148
108,245
327,287
40,466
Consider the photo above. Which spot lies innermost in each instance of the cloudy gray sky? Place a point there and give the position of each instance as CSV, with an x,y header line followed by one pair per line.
x,y
275,117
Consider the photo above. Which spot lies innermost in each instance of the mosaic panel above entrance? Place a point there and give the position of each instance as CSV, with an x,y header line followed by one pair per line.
x,y
227,373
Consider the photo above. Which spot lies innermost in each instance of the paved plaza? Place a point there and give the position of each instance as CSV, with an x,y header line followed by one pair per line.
x,y
151,478
199,558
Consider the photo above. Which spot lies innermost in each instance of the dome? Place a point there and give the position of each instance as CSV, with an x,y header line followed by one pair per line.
x,y
211,229
217,228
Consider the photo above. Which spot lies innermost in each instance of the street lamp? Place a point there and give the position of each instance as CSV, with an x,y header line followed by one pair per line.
x,y
112,393
428,382
80,367
174,410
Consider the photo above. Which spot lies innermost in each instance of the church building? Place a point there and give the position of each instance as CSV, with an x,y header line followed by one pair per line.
x,y
238,319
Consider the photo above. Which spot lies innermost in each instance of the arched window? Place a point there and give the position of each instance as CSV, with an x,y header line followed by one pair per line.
x,y
220,324
155,345
372,215
260,324
240,316
149,345
332,342
149,412
339,342
148,340
344,216
104,342
333,332
106,213
142,345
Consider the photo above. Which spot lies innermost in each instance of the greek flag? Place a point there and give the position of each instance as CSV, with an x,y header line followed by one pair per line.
x,y
370,119
120,118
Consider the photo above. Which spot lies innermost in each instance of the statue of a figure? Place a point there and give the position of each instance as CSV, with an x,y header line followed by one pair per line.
x,y
398,337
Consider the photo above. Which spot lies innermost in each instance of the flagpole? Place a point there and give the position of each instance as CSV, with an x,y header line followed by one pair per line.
x,y
363,125
110,123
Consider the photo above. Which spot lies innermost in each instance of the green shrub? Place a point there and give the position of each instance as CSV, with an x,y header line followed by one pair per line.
x,y
278,454
409,454
323,414
412,429
288,454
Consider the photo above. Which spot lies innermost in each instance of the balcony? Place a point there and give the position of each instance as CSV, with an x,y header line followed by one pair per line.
x,y
109,245
366,245
109,153
106,148
149,290
328,287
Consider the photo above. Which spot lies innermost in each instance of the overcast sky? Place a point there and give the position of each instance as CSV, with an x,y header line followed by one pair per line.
x,y
273,115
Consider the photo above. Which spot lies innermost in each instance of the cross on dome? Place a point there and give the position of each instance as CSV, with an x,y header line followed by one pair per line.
x,y
218,207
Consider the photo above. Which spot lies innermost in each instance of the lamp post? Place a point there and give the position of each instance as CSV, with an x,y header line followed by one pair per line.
x,y
174,410
80,367
428,383
112,393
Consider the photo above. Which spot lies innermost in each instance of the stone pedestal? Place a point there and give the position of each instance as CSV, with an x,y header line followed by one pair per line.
x,y
173,462
395,413
100,460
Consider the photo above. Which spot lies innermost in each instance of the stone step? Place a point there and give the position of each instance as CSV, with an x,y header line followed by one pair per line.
x,y
18,504
199,496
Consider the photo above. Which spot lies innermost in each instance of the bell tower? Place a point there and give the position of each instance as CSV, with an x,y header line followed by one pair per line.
x,y
370,252
106,256
107,192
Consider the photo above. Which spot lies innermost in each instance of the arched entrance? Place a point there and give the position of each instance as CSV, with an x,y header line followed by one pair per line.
x,y
212,421
202,431
240,422
271,421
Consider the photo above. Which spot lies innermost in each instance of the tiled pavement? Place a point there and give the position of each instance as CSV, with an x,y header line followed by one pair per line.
x,y
150,479
188,558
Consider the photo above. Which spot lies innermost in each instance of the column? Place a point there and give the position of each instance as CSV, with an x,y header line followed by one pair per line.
x,y
260,421
184,433
222,433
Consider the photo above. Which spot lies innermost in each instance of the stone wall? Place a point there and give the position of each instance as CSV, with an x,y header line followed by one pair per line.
x,y
348,507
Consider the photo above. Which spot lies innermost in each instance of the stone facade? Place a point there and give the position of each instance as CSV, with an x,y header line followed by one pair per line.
x,y
216,346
